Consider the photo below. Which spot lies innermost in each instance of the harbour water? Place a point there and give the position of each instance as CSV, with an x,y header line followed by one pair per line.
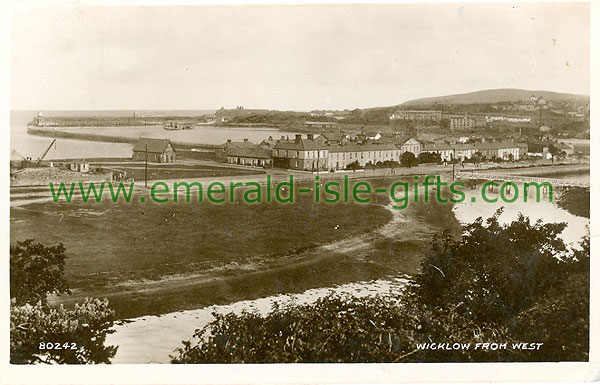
x,y
548,212
33,146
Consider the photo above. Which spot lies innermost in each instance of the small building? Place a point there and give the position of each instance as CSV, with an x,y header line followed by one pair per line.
x,y
222,150
157,150
16,159
250,157
79,166
566,148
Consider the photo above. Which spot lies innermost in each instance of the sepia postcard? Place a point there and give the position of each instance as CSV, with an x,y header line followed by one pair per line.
x,y
350,193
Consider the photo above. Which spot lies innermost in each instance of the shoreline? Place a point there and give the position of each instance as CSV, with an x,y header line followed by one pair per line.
x,y
54,133
180,325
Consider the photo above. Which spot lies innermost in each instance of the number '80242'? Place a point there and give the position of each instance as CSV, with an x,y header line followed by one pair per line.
x,y
58,346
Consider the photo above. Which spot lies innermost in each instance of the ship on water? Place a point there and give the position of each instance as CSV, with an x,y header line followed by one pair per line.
x,y
173,126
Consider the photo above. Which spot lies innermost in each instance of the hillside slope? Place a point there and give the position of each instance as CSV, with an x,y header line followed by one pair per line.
x,y
496,96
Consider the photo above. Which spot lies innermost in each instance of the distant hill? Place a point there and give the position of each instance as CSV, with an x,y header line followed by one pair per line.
x,y
496,96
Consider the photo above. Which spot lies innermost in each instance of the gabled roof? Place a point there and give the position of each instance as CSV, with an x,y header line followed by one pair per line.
x,y
154,145
333,135
408,140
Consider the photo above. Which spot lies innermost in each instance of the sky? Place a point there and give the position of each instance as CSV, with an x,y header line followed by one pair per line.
x,y
295,57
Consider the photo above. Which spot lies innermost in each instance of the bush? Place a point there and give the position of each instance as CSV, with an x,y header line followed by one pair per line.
x,y
497,283
493,271
80,332
35,272
334,329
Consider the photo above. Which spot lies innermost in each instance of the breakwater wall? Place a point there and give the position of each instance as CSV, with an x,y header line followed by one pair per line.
x,y
53,133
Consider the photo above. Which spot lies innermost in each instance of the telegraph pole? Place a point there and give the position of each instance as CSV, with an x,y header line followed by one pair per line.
x,y
146,168
318,160
453,161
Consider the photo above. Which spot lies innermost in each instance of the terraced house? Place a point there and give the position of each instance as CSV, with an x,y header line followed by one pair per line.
x,y
301,154
369,153
311,154
506,150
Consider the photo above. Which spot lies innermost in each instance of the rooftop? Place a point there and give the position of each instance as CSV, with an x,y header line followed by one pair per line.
x,y
151,145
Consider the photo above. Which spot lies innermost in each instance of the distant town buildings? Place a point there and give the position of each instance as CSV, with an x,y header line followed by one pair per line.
x,y
332,137
508,119
337,151
461,123
321,125
429,115
504,150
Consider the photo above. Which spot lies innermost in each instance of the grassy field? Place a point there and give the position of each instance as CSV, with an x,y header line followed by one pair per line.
x,y
176,171
154,258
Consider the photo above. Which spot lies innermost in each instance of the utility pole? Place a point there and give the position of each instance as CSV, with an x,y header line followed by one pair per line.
x,y
318,160
453,161
146,168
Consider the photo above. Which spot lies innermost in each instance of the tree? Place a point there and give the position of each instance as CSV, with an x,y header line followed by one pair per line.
x,y
36,271
554,151
495,283
477,157
353,166
578,155
408,159
429,157
40,333
492,272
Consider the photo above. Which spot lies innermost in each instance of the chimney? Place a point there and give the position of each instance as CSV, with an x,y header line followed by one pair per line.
x,y
298,137
245,140
310,136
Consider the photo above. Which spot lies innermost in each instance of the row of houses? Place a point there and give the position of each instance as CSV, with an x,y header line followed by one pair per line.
x,y
334,151
505,150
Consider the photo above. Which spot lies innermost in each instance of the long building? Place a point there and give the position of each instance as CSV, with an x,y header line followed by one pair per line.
x,y
418,115
310,154
505,150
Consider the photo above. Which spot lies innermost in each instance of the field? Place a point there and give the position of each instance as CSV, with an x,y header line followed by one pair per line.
x,y
154,258
178,171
